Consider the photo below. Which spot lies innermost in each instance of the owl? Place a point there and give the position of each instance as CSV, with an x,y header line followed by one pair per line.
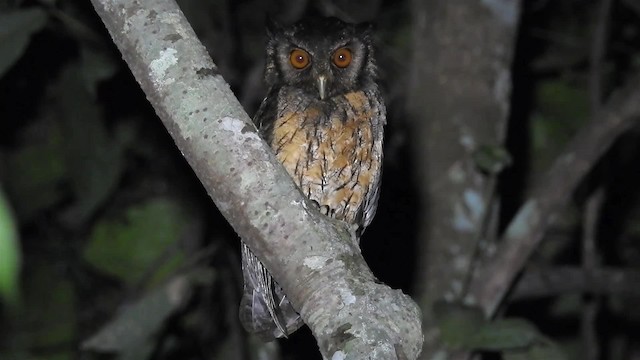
x,y
323,117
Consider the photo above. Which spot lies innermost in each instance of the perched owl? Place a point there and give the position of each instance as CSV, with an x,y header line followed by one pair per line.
x,y
324,118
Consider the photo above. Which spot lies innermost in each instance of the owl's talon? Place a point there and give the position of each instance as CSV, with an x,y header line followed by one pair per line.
x,y
326,210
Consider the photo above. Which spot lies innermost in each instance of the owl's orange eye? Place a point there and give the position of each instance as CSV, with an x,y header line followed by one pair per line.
x,y
299,59
342,57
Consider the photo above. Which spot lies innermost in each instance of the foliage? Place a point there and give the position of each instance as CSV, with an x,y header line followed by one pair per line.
x,y
103,226
86,190
9,254
15,33
128,246
466,328
131,332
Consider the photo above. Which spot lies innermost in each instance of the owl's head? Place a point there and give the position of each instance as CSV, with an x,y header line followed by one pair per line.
x,y
322,56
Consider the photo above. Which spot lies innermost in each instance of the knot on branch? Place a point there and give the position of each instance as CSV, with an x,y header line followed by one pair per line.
x,y
361,318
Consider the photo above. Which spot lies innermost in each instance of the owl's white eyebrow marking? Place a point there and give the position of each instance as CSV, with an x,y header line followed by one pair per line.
x,y
348,44
352,44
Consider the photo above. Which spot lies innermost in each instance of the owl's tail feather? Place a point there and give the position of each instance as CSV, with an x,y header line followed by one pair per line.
x,y
264,309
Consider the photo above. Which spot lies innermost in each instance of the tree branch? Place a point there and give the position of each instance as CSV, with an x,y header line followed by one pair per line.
x,y
597,53
529,225
554,281
312,258
458,104
590,263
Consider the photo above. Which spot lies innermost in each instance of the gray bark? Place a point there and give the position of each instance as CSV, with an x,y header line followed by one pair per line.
x,y
458,103
314,259
525,232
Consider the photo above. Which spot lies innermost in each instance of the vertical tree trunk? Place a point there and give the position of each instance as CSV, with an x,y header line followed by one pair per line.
x,y
458,102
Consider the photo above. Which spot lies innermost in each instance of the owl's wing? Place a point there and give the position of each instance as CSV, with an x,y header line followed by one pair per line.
x,y
378,121
264,308
265,117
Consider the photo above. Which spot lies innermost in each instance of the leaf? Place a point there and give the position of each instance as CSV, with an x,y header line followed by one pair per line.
x,y
9,254
457,323
95,160
466,328
16,28
48,317
74,148
504,334
35,171
566,305
97,65
545,350
492,159
131,331
562,109
127,247
566,104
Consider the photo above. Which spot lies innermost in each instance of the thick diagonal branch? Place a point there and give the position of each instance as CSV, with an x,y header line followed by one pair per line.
x,y
314,259
528,227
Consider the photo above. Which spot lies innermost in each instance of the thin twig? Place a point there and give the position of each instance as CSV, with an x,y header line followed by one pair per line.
x,y
598,53
590,263
560,280
633,5
551,194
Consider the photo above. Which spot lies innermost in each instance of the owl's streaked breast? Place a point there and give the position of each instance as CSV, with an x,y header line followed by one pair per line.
x,y
333,152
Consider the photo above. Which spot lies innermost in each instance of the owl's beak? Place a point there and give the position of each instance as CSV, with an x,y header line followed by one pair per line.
x,y
322,86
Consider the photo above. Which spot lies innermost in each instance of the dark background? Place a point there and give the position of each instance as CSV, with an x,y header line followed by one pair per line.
x,y
125,256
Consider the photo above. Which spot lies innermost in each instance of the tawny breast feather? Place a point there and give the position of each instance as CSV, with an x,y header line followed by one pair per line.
x,y
331,155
